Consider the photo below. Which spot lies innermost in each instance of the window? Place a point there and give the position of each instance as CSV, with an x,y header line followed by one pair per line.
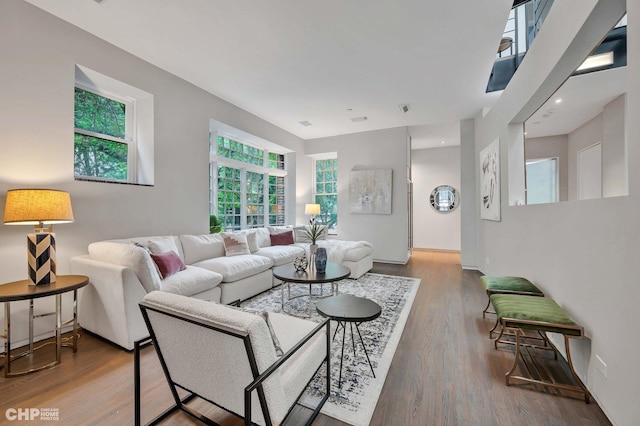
x,y
229,197
101,148
255,199
326,191
276,200
113,130
249,184
542,181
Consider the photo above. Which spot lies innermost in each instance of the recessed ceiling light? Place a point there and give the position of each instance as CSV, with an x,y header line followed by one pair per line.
x,y
558,101
305,123
442,141
356,119
597,61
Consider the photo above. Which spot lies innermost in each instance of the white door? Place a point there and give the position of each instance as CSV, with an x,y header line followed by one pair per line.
x,y
590,172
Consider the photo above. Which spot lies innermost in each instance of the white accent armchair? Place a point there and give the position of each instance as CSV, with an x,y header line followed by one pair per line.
x,y
227,357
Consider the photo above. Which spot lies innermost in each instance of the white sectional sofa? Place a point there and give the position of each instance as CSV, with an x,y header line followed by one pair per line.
x,y
122,272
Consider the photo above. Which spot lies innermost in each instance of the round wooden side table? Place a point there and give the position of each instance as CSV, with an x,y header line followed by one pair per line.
x,y
24,290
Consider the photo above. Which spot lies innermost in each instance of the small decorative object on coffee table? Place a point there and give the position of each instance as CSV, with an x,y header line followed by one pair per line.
x,y
346,308
321,260
301,263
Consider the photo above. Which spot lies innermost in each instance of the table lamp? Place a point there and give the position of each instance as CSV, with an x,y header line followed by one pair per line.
x,y
41,208
313,210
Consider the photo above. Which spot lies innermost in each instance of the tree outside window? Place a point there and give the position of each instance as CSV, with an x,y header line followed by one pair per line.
x,y
100,147
326,191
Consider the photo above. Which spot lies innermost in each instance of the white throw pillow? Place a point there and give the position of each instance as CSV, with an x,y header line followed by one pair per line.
x,y
252,241
163,245
235,244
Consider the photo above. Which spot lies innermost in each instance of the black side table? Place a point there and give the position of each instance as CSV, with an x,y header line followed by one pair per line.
x,y
345,308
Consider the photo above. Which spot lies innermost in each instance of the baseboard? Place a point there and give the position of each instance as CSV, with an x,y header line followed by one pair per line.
x,y
470,268
437,250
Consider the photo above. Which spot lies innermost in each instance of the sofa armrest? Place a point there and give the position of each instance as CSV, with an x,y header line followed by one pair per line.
x,y
108,306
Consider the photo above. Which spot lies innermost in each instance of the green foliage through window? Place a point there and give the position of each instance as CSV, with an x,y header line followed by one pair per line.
x,y
326,191
99,147
97,157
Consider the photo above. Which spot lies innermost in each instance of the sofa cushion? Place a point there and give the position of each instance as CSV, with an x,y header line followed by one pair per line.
x,y
235,244
161,245
282,239
201,247
279,229
281,254
252,238
235,268
128,255
168,263
357,253
263,236
192,280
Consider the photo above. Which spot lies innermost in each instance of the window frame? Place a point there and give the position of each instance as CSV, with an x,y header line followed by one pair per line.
x,y
217,161
314,192
129,132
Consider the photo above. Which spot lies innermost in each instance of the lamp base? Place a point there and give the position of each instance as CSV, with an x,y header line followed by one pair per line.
x,y
41,253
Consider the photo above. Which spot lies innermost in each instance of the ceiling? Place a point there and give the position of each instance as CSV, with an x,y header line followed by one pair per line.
x,y
582,98
324,62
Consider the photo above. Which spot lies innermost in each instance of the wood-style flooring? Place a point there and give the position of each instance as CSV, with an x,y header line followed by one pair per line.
x,y
444,372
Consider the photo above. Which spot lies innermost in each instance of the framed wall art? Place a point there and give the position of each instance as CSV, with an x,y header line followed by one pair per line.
x,y
370,191
490,181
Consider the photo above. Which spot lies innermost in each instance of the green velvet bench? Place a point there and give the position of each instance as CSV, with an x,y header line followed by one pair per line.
x,y
518,313
494,284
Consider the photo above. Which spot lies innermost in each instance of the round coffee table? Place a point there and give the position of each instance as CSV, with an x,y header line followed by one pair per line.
x,y
345,308
288,274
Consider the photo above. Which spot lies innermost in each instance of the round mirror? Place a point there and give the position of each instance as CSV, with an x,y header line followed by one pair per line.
x,y
444,198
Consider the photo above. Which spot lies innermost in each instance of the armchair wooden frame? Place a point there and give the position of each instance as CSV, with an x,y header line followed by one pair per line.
x,y
255,385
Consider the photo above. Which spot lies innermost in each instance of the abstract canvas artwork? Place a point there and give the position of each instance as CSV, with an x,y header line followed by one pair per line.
x,y
490,182
370,191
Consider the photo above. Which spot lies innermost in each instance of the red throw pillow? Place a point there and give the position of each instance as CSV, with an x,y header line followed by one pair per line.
x,y
168,263
282,239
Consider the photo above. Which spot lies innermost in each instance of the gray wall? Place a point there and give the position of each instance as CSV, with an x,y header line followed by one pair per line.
x,y
582,253
381,149
431,168
38,54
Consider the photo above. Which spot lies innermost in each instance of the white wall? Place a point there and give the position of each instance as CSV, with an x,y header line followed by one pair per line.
x,y
549,147
614,150
470,203
581,253
38,54
607,128
381,149
431,168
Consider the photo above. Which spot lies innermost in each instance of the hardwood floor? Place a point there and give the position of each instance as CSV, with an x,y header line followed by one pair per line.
x,y
445,370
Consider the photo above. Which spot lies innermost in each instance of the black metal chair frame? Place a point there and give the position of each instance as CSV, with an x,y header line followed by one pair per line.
x,y
255,385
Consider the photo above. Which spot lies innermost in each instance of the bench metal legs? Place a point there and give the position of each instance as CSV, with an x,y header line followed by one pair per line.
x,y
537,369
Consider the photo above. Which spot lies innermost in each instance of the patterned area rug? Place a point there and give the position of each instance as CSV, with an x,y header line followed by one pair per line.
x,y
356,400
